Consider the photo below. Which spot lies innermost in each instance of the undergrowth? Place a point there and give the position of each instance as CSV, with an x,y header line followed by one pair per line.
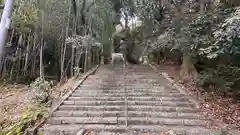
x,y
41,89
225,79
28,120
36,112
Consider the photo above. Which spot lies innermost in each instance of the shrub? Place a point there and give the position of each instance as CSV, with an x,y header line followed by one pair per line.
x,y
41,88
225,78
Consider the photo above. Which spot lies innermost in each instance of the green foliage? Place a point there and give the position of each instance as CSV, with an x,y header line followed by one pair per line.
x,y
41,90
164,41
228,35
25,16
77,71
105,20
35,21
226,78
224,45
148,10
210,35
222,37
1,2
82,41
28,120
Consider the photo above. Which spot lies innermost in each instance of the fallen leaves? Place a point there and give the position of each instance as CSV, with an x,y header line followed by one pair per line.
x,y
13,101
216,108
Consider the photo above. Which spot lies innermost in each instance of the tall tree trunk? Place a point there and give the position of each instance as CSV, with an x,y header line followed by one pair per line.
x,y
27,53
65,43
73,49
34,56
78,58
11,38
187,68
41,62
4,25
20,44
72,62
4,69
61,53
89,58
41,49
94,57
83,21
86,60
15,62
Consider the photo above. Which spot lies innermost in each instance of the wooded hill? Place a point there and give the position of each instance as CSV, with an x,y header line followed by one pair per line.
x,y
55,38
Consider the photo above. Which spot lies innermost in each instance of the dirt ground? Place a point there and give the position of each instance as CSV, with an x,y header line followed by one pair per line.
x,y
13,101
16,98
220,109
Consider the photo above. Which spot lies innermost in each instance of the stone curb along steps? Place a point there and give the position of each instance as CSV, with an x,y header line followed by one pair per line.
x,y
33,131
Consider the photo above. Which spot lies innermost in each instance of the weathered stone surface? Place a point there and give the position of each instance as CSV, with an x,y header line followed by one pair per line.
x,y
82,120
171,132
150,102
81,132
106,133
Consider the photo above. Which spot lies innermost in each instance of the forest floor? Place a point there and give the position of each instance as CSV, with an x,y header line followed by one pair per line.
x,y
15,99
220,109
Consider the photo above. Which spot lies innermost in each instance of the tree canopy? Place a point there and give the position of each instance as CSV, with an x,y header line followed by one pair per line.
x,y
53,32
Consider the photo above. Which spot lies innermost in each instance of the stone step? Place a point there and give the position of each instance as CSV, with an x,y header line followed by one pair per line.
x,y
119,102
120,86
154,105
131,121
59,129
130,114
100,88
145,98
121,129
142,77
128,84
130,108
115,83
120,83
82,120
154,91
163,121
122,94
130,81
128,87
122,91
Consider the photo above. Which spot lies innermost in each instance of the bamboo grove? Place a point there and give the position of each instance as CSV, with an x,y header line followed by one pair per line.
x,y
55,39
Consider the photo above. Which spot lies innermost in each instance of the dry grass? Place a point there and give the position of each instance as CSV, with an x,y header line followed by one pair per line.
x,y
15,99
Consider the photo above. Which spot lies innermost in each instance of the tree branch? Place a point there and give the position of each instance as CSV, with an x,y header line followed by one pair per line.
x,y
88,8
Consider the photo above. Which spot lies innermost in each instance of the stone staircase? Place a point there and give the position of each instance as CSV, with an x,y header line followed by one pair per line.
x,y
133,101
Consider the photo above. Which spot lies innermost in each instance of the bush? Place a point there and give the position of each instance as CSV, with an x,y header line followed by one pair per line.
x,y
225,78
41,88
28,120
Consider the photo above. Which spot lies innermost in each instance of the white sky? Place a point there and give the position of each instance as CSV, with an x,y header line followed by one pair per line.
x,y
132,21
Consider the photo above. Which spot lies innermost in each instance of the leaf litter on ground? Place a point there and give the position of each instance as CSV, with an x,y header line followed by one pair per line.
x,y
216,108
